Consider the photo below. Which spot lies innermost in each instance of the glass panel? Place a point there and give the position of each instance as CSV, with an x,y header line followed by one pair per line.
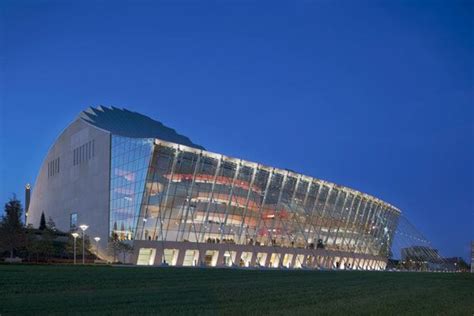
x,y
146,257
191,258
319,216
229,258
210,259
261,259
287,259
170,256
275,260
299,261
73,221
245,259
129,163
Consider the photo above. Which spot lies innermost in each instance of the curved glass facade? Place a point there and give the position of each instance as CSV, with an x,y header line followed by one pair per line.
x,y
172,193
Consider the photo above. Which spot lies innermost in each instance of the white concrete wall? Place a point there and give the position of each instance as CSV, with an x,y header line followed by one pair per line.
x,y
83,189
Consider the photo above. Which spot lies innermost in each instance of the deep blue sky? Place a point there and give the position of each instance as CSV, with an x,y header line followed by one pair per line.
x,y
377,96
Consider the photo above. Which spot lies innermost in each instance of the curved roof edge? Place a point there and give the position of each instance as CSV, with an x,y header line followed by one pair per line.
x,y
123,122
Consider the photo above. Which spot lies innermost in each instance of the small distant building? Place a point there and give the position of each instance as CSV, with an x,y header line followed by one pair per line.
x,y
456,264
421,258
420,253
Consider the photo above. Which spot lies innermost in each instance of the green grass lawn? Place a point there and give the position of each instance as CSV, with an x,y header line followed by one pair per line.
x,y
34,290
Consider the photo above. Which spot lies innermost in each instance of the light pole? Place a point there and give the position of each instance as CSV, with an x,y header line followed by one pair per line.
x,y
97,239
75,235
83,228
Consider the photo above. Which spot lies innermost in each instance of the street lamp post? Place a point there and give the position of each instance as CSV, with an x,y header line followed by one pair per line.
x,y
97,239
83,228
75,235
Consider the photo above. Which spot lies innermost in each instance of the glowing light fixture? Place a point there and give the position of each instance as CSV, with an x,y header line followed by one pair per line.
x,y
83,228
97,239
75,235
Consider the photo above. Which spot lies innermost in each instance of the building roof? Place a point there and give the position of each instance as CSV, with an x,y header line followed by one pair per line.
x,y
126,123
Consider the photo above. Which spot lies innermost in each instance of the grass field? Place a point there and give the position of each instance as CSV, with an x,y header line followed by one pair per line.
x,y
90,290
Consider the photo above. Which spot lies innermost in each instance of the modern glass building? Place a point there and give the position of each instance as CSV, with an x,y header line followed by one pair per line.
x,y
131,178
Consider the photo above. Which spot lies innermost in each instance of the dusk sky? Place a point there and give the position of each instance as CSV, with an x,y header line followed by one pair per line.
x,y
374,95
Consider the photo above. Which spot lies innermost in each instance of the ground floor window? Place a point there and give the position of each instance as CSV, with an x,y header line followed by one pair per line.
x,y
191,258
170,256
287,259
245,259
261,259
210,258
275,260
299,261
146,256
229,258
349,263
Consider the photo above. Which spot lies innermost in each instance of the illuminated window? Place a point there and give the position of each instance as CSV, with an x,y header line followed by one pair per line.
x,y
287,259
245,259
229,258
261,258
146,257
170,256
299,261
210,258
275,260
191,258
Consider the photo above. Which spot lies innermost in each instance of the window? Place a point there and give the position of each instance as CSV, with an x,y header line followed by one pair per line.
x,y
245,259
229,258
299,261
83,153
261,259
73,221
191,258
287,259
275,260
53,167
170,256
146,257
210,258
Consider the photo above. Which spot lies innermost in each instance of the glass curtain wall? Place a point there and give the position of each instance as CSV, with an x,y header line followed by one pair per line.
x,y
196,196
130,159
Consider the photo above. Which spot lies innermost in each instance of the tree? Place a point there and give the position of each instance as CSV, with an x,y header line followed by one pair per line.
x,y
32,245
69,247
50,224
42,225
114,247
117,247
46,247
125,248
12,234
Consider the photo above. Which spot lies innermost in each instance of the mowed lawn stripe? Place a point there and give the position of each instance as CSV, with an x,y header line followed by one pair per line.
x,y
37,290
